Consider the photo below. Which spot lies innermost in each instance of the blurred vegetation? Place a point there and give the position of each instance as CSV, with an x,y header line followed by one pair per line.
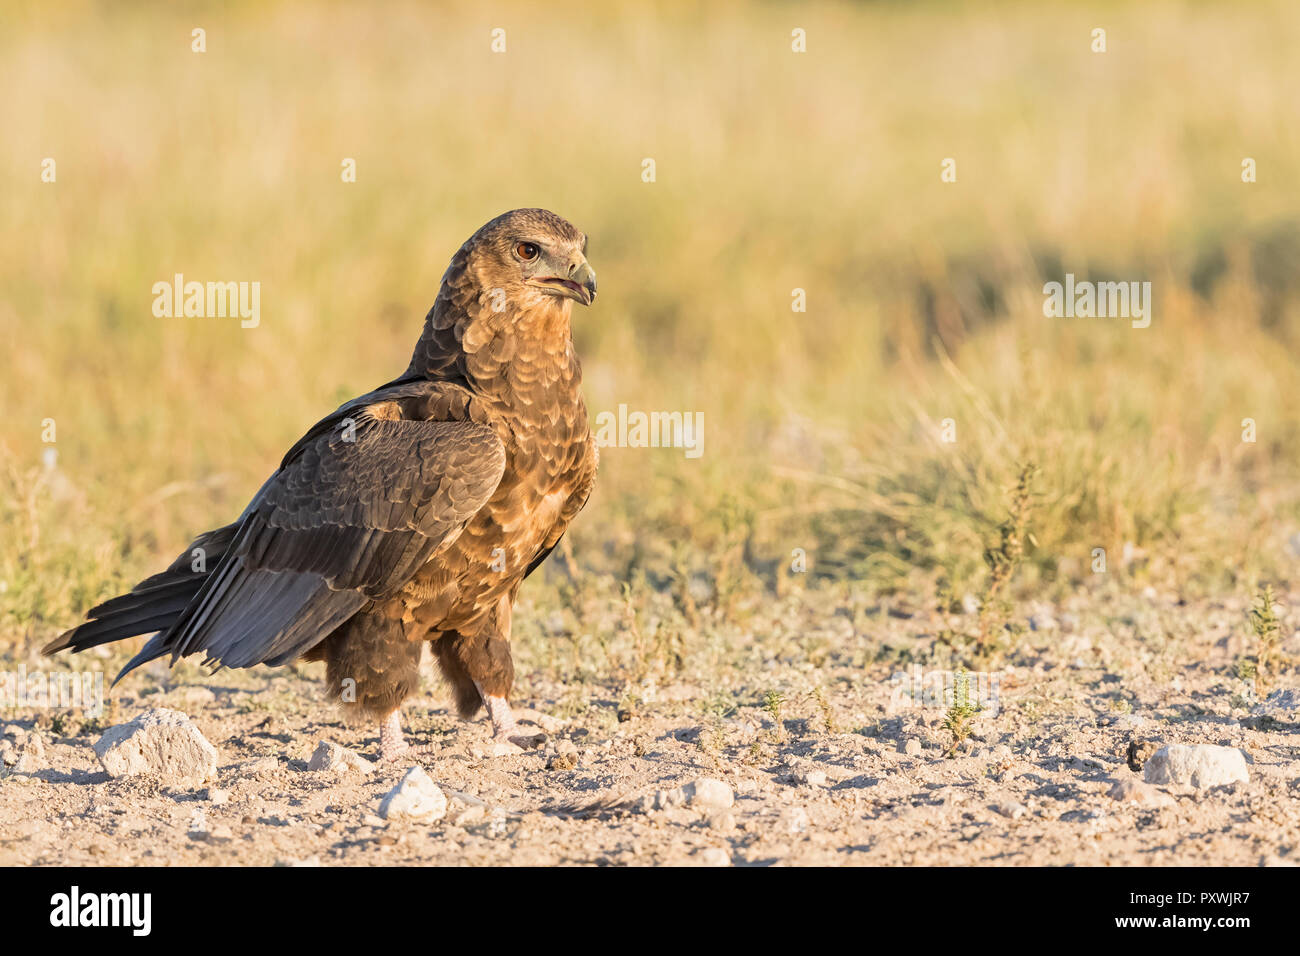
x,y
775,171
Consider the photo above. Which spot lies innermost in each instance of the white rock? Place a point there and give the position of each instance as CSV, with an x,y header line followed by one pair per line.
x,y
1010,809
1203,765
330,756
708,793
416,798
159,741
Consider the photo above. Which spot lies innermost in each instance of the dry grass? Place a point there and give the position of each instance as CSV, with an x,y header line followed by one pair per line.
x,y
775,171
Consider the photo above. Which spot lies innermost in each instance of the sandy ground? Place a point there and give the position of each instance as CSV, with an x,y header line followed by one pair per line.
x,y
856,772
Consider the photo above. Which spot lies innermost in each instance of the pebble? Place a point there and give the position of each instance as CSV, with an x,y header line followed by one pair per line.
x,y
159,741
416,797
332,757
1010,809
707,792
1201,766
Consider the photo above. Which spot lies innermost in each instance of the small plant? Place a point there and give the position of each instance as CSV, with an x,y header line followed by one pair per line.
x,y
719,704
1003,560
1268,632
824,707
961,715
773,701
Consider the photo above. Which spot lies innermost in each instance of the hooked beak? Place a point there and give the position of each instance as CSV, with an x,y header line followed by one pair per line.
x,y
579,284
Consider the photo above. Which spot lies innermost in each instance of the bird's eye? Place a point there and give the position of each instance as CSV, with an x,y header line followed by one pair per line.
x,y
527,251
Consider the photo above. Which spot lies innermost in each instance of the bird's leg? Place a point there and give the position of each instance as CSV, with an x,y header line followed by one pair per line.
x,y
504,728
392,744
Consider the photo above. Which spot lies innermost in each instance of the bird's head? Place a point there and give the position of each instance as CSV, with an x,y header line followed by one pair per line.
x,y
531,258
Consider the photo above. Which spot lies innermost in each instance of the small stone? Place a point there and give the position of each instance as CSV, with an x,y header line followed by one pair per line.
x,y
468,816
813,778
911,747
332,757
722,822
416,797
217,797
712,856
566,747
1201,766
159,741
707,792
1010,809
1129,790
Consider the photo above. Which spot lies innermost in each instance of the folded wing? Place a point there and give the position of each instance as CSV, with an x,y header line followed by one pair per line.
x,y
359,505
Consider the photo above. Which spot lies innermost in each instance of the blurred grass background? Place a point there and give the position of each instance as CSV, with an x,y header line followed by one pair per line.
x,y
775,170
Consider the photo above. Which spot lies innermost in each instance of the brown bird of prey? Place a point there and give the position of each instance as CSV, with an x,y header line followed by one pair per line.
x,y
410,515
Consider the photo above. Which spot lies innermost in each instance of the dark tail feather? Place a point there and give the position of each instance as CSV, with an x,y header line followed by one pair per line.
x,y
133,617
152,605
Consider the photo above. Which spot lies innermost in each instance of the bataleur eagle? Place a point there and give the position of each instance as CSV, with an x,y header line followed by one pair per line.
x,y
410,515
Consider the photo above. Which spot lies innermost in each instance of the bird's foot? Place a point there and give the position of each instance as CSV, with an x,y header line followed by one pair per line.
x,y
410,754
393,747
505,731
